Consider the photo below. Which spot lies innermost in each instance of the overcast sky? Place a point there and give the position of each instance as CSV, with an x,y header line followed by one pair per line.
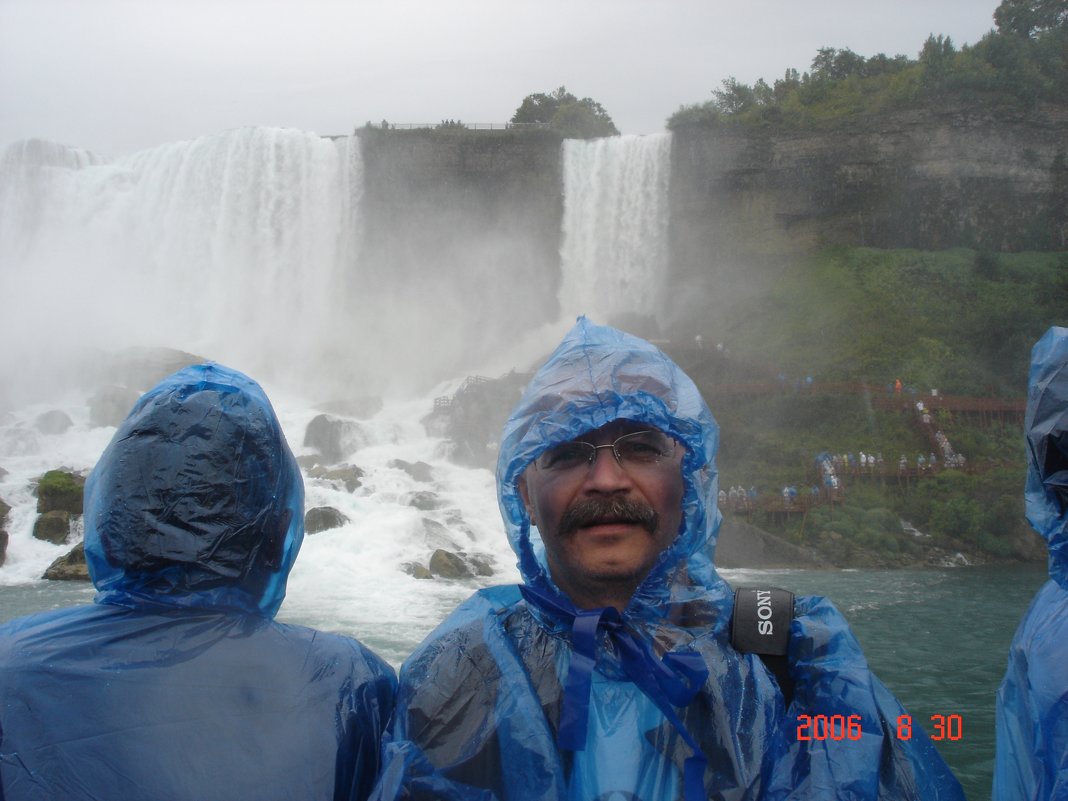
x,y
116,76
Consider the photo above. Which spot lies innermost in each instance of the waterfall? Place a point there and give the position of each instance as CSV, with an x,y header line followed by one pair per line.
x,y
234,247
614,252
243,247
246,247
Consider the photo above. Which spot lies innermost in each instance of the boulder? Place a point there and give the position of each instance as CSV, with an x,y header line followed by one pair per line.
x,y
334,437
108,406
424,500
55,421
420,471
146,366
449,565
323,518
60,489
349,475
52,526
473,417
482,565
437,535
70,567
417,570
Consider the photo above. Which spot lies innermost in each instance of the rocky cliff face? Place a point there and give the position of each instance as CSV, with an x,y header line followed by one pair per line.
x,y
463,209
914,179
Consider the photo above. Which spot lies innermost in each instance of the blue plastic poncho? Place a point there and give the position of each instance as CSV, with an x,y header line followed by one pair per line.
x,y
1032,708
176,683
519,696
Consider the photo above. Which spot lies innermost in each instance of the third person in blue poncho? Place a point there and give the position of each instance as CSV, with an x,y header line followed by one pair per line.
x,y
1032,708
609,675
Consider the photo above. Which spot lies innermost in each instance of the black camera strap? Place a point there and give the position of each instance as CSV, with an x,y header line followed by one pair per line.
x,y
761,625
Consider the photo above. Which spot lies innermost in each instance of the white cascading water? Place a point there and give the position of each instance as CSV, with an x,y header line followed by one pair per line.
x,y
232,247
243,248
615,247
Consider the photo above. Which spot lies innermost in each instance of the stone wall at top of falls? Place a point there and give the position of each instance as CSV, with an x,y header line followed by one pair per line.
x,y
474,213
929,179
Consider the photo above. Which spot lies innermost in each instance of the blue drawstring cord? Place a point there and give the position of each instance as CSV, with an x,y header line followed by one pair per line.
x,y
669,682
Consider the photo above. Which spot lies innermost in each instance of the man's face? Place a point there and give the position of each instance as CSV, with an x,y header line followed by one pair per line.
x,y
604,524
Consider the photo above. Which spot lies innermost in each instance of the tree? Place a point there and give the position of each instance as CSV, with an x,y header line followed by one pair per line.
x,y
937,60
563,112
734,97
787,85
836,65
1030,17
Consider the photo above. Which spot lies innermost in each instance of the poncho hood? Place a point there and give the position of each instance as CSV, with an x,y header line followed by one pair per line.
x,y
197,500
596,375
1046,425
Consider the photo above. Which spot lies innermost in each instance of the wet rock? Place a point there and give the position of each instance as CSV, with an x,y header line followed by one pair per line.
x,y
348,475
52,526
323,518
109,406
146,366
420,471
70,567
438,535
333,437
425,500
417,570
481,565
454,520
60,489
473,417
449,565
55,421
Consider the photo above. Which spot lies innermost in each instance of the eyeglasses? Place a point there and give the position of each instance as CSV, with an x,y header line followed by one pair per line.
x,y
638,449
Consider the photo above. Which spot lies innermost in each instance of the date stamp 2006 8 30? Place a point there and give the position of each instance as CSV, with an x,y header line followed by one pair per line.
x,y
843,727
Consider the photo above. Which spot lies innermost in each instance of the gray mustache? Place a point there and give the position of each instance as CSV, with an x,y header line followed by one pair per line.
x,y
616,510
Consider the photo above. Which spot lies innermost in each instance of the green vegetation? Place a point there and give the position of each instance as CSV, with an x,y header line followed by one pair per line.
x,y
855,320
566,114
1023,61
58,489
962,321
770,443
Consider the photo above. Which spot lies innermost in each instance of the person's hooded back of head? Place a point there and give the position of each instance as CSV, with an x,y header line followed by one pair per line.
x,y
1046,425
197,500
596,375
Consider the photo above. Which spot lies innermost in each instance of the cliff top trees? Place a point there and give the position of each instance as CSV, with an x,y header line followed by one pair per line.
x,y
1030,17
573,118
1023,61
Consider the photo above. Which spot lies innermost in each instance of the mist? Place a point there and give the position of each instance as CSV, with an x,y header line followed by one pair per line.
x,y
285,255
